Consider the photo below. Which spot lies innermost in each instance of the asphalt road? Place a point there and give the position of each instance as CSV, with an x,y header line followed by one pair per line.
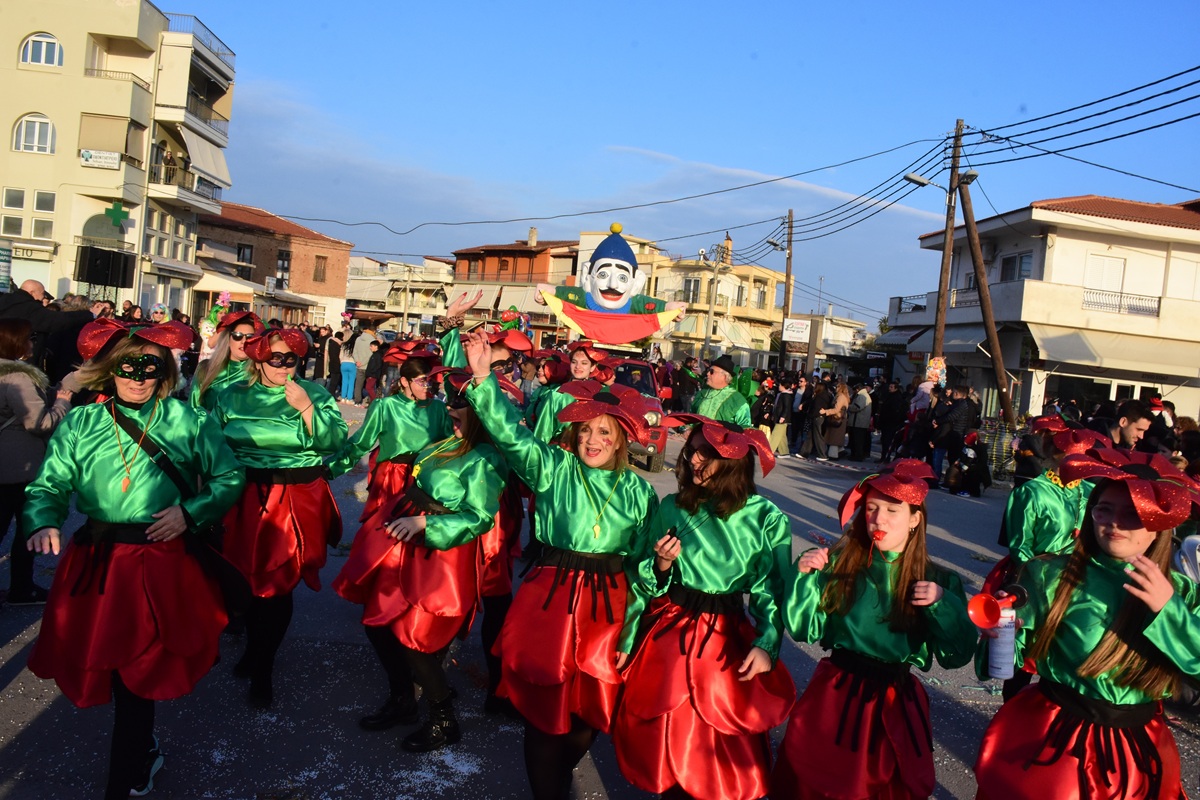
x,y
308,747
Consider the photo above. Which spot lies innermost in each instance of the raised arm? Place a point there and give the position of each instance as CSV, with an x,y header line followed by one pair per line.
x,y
766,593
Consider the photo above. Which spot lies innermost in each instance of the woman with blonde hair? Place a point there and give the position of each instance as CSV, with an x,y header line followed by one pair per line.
x,y
132,616
280,428
227,364
837,420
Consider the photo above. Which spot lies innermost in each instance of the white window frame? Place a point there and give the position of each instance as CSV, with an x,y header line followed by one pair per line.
x,y
1017,258
8,189
37,202
50,50
6,221
22,142
45,234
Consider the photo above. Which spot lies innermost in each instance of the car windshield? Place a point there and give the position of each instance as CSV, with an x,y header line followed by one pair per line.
x,y
637,376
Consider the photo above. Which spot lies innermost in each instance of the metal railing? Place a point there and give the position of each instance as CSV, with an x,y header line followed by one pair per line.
x,y
117,76
1121,303
960,298
207,114
913,302
170,175
105,244
186,23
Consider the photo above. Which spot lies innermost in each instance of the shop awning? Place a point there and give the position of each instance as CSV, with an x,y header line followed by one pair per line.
x,y
207,158
1122,351
958,339
369,290
900,336
216,282
180,268
288,299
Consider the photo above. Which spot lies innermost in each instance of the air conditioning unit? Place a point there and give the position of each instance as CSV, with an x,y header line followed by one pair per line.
x,y
988,247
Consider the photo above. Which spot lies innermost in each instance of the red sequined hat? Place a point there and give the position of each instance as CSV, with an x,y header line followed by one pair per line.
x,y
1163,496
1079,440
603,372
582,390
235,318
1050,423
399,352
619,406
551,354
457,379
906,480
729,440
589,349
512,339
556,368
99,334
258,348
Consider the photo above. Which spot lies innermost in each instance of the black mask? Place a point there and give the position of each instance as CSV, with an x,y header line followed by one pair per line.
x,y
283,360
146,367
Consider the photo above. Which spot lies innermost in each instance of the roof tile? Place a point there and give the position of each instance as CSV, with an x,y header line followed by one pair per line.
x,y
240,216
1181,215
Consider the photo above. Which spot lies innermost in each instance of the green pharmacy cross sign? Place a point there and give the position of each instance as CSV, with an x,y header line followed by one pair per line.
x,y
117,214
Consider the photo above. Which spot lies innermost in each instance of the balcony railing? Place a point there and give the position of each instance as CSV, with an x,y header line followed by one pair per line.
x,y
207,114
104,244
186,23
913,302
1121,303
167,175
961,298
117,76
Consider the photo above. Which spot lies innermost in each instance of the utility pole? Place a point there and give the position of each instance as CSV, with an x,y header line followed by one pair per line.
x,y
787,295
939,321
717,258
407,293
985,305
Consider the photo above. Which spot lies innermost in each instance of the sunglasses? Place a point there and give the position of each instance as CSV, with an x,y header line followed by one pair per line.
x,y
238,336
282,360
455,400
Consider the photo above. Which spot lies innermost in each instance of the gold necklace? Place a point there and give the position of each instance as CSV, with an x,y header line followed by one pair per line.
x,y
441,448
592,499
116,428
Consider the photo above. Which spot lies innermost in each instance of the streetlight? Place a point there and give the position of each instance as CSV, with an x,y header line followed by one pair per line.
x,y
718,266
787,293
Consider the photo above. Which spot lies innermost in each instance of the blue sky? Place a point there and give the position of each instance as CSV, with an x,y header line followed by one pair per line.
x,y
405,113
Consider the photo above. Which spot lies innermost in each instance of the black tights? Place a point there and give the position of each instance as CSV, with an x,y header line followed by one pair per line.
x,y
495,610
12,501
550,758
427,672
393,660
267,621
676,792
132,739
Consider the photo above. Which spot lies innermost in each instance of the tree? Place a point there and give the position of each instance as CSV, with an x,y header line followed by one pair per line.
x,y
883,325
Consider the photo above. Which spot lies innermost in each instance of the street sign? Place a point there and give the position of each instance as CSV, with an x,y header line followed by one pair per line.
x,y
796,330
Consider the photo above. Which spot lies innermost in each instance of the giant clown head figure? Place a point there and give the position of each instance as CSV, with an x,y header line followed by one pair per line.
x,y
612,278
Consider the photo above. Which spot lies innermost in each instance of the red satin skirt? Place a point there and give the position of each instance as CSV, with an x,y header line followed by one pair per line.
x,y
853,735
278,534
388,481
425,596
157,623
1074,761
558,648
499,547
686,719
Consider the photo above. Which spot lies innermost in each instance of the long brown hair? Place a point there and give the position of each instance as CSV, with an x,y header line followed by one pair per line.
x,y
97,373
215,364
729,485
1125,651
473,434
854,549
620,453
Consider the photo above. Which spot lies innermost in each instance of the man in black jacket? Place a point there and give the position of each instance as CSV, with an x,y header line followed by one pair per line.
x,y
26,303
893,409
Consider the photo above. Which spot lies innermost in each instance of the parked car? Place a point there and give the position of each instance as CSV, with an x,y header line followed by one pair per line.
x,y
639,375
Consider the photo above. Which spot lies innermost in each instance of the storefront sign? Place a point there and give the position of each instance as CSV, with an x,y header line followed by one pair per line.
x,y
100,159
6,254
796,330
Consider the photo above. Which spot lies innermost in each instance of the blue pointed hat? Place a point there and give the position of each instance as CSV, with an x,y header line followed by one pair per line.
x,y
615,247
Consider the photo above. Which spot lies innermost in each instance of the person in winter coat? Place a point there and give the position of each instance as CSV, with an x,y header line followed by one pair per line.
x,y
820,402
781,417
26,421
836,420
859,421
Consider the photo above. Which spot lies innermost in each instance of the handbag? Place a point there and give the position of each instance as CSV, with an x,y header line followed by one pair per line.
x,y
205,543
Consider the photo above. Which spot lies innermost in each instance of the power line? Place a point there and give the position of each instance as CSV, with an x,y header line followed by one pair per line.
x,y
612,209
718,230
1097,102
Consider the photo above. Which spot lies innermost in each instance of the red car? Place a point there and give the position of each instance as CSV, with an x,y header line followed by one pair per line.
x,y
639,375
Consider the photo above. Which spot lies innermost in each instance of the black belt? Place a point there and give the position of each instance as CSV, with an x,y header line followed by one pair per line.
x,y
595,571
1111,728
288,476
870,679
695,603
416,502
403,458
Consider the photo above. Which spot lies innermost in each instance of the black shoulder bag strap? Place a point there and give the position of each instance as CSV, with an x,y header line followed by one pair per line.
x,y
203,545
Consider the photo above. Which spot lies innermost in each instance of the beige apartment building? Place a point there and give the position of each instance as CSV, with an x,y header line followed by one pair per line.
x,y
118,116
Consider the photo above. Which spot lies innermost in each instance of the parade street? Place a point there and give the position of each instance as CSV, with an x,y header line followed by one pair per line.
x,y
310,746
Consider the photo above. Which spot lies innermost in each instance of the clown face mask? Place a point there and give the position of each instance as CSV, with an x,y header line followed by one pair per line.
x,y
611,284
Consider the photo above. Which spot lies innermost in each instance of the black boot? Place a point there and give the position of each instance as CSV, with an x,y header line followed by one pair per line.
x,y
395,711
262,692
440,730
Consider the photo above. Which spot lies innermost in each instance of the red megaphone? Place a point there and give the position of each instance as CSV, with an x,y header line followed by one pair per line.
x,y
984,609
